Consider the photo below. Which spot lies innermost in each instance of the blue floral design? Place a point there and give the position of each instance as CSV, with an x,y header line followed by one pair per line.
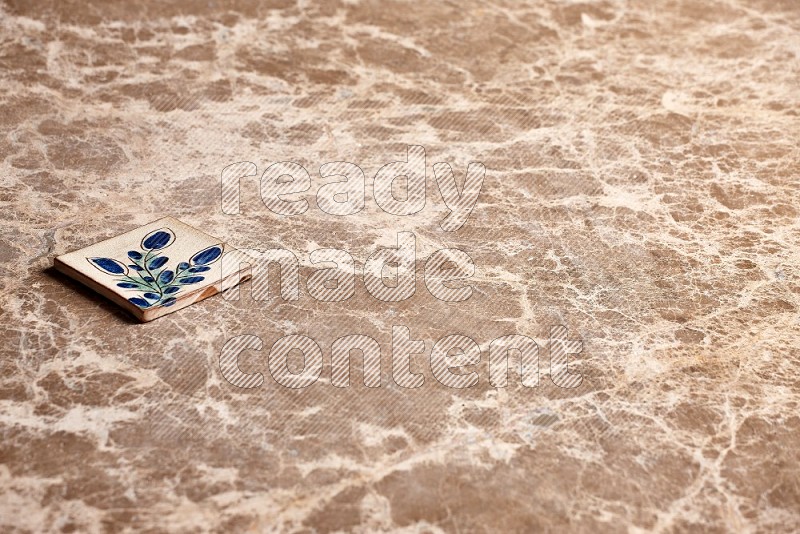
x,y
148,273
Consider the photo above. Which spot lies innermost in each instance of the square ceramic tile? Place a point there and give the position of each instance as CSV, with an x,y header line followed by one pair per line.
x,y
155,269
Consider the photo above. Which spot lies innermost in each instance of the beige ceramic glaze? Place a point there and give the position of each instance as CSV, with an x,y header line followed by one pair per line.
x,y
147,282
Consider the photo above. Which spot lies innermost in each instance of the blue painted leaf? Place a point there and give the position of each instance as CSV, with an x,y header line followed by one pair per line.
x,y
109,266
200,269
191,279
152,296
148,279
127,285
132,254
170,290
139,302
207,255
159,262
182,266
158,239
169,302
166,277
135,267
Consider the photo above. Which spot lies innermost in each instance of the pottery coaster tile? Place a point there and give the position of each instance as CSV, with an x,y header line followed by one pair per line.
x,y
155,269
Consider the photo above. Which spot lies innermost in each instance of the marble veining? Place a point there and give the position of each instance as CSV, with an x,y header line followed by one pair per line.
x,y
641,189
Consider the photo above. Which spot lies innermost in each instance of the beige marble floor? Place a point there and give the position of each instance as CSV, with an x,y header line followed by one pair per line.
x,y
641,189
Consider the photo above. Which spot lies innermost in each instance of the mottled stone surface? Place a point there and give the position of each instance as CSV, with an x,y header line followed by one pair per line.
x,y
641,189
